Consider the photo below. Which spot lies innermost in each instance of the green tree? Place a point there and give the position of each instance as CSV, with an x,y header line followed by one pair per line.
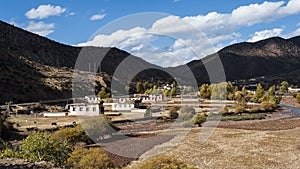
x,y
284,87
42,147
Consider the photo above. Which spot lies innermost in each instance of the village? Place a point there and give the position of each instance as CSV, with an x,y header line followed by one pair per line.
x,y
134,108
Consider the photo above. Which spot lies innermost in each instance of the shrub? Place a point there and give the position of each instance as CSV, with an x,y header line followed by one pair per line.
x,y
186,113
224,110
72,135
93,158
268,106
239,110
163,162
298,97
199,119
41,147
254,110
100,126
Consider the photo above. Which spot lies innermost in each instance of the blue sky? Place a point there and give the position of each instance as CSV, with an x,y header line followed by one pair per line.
x,y
178,32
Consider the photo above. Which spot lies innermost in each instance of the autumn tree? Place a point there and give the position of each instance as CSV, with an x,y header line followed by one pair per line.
x,y
205,91
139,87
103,93
240,99
199,119
271,91
284,87
298,97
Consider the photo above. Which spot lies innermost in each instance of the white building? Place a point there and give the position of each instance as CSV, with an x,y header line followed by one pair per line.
x,y
82,109
122,107
92,99
152,98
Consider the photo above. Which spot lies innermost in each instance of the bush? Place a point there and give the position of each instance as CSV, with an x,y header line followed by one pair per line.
x,y
186,113
199,119
163,162
241,118
268,106
239,110
41,147
224,110
72,135
93,158
100,126
298,97
254,110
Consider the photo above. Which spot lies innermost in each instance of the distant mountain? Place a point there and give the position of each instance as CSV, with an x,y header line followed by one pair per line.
x,y
35,68
273,57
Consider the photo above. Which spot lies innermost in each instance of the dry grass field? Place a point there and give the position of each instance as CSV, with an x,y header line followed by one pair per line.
x,y
236,148
42,122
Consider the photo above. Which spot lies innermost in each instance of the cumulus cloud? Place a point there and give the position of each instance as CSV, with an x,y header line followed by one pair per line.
x,y
40,28
256,13
257,36
44,11
97,17
201,34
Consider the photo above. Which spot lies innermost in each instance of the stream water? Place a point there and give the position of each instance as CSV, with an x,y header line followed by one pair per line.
x,y
294,112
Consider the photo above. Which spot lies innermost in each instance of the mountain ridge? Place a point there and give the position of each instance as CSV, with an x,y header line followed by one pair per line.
x,y
33,64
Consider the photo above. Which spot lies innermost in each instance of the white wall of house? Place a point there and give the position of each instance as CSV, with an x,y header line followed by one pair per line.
x,y
152,98
122,107
92,99
84,110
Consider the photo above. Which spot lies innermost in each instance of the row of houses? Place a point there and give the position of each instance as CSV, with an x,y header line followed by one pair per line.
x,y
93,105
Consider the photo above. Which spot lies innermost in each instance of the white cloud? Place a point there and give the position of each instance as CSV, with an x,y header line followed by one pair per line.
x,y
256,13
40,28
44,11
196,34
97,17
71,13
257,36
